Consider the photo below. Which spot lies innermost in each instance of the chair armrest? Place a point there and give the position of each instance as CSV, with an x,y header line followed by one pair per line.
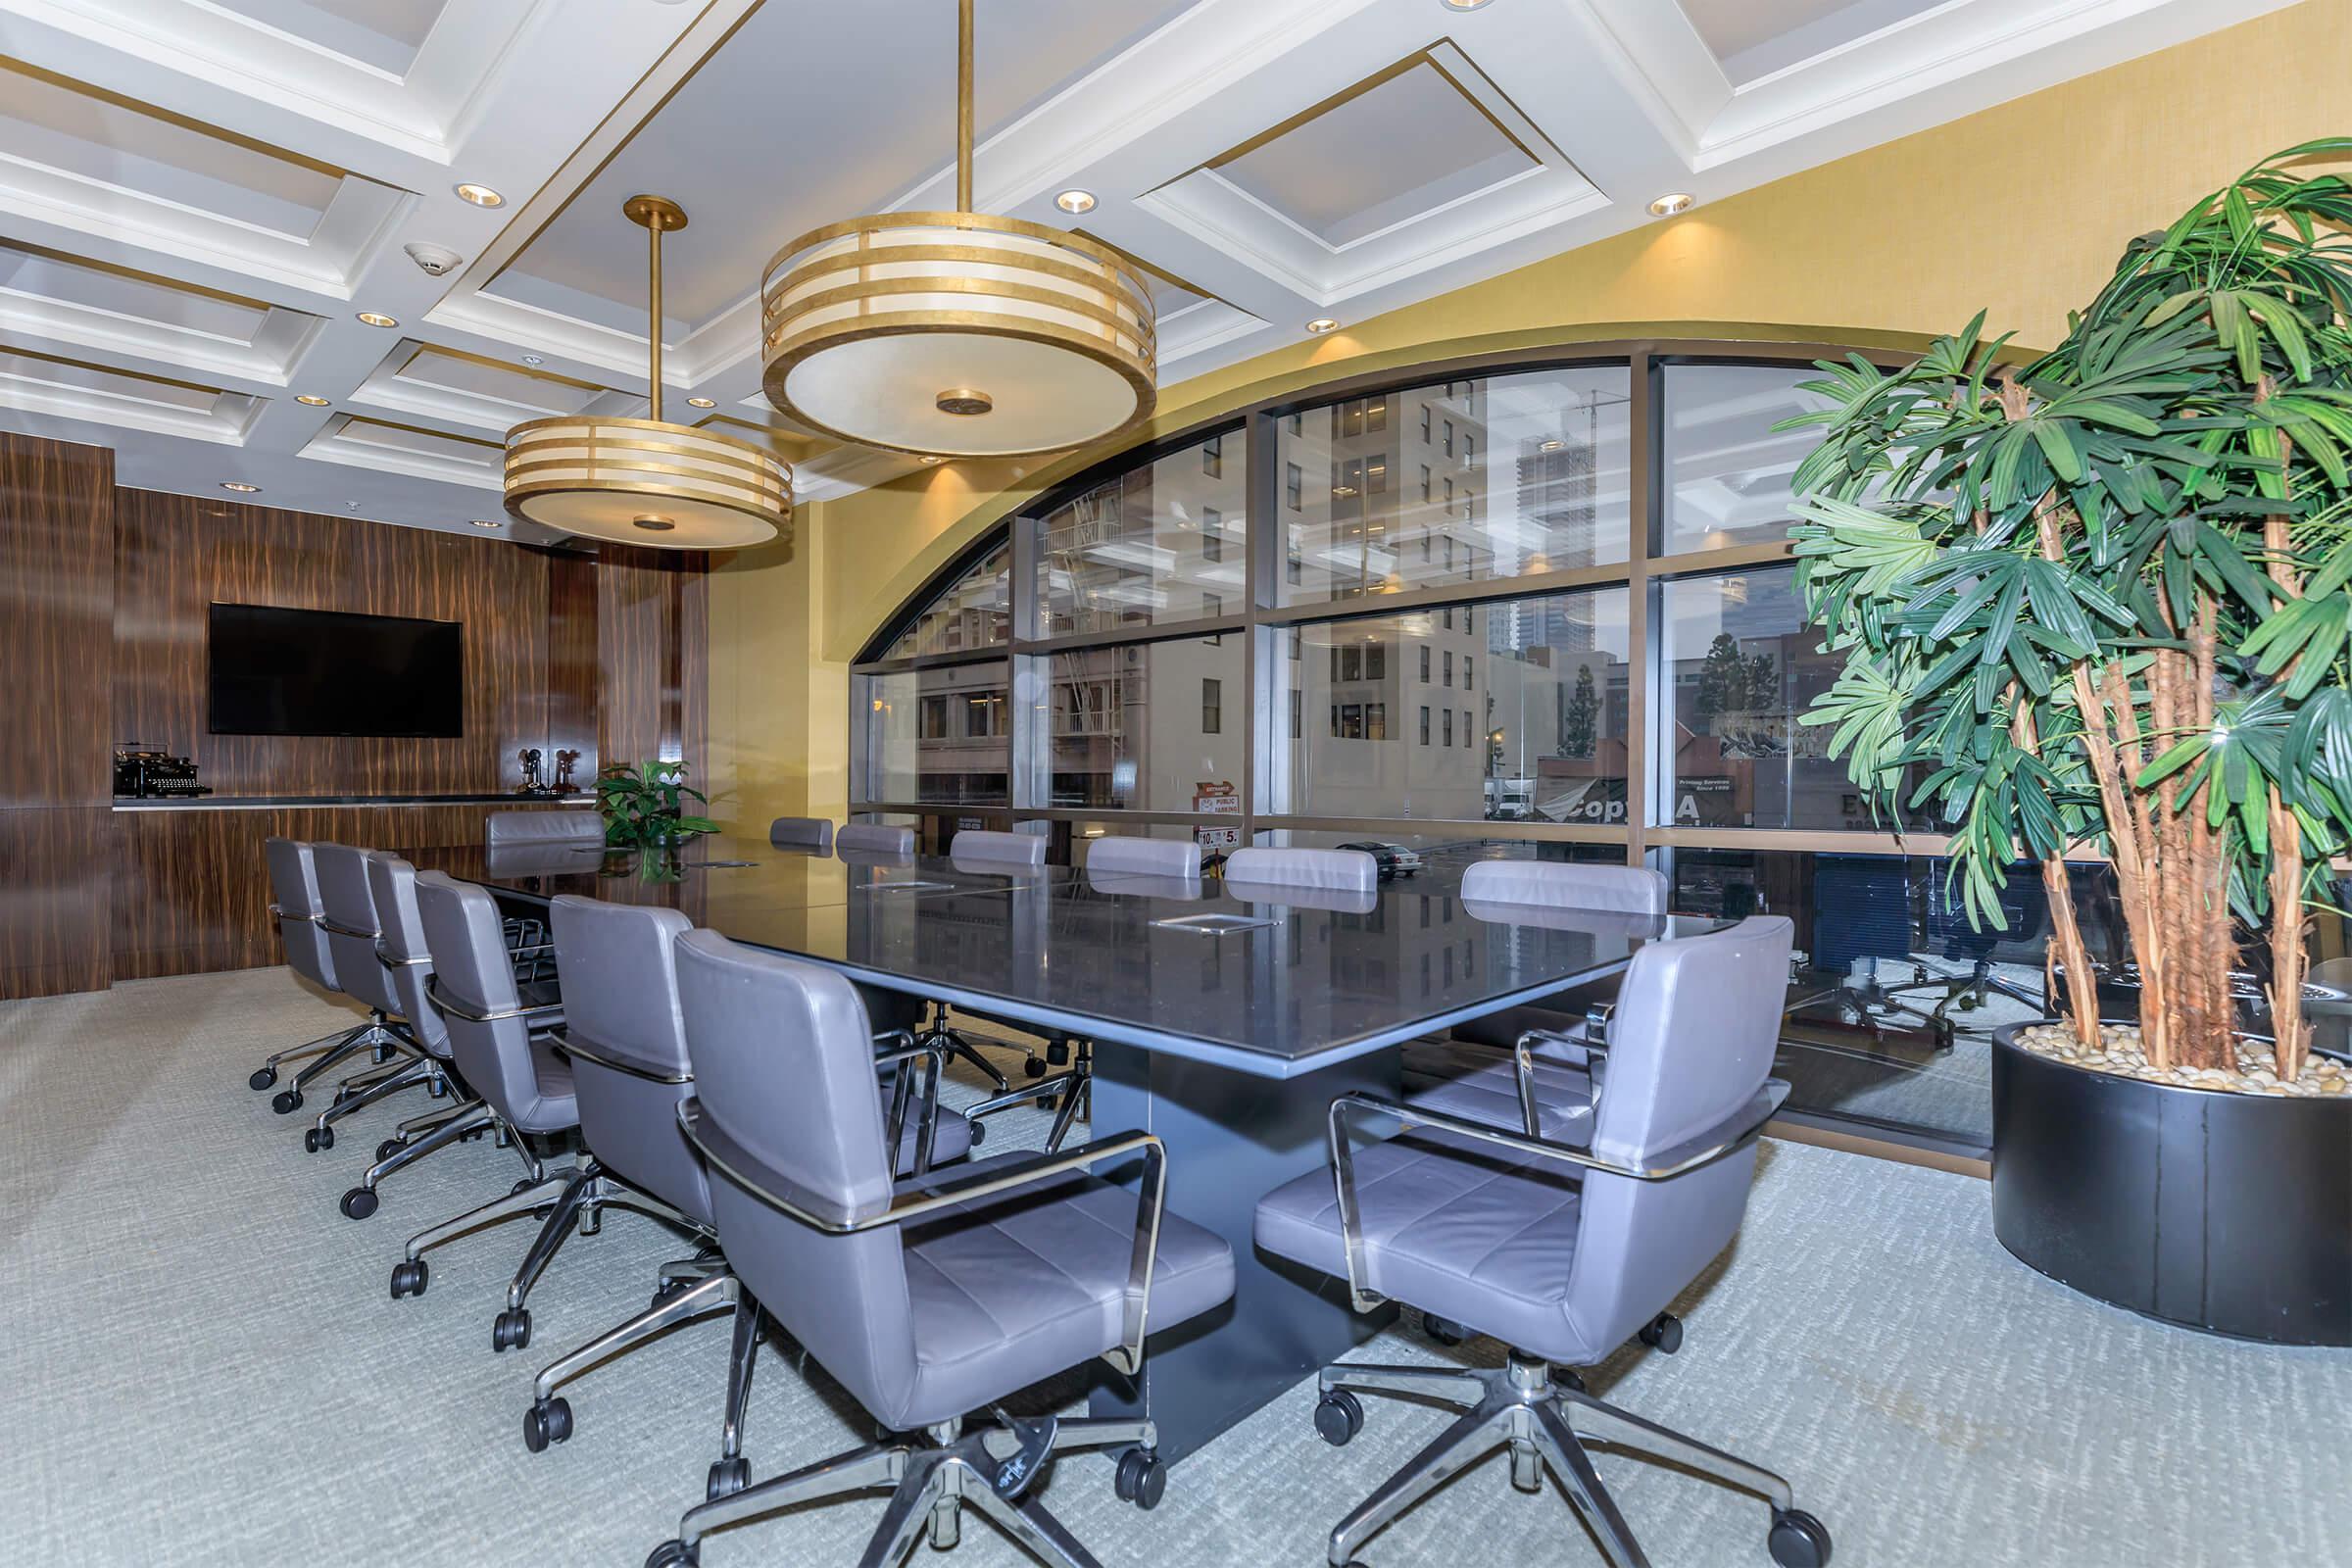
x,y
1725,1139
546,1015
569,1043
920,1197
930,1058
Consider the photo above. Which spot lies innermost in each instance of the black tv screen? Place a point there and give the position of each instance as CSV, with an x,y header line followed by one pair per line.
x,y
324,673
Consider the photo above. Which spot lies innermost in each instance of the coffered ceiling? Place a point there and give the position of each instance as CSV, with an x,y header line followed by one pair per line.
x,y
199,198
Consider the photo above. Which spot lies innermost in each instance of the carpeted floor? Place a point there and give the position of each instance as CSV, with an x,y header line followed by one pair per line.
x,y
201,1365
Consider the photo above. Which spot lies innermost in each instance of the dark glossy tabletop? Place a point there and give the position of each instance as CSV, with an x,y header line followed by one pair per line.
x,y
1271,988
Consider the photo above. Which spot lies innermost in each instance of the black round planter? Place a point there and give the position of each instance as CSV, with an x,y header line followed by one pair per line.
x,y
2227,1212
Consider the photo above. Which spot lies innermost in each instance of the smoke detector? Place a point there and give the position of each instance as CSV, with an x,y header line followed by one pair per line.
x,y
437,261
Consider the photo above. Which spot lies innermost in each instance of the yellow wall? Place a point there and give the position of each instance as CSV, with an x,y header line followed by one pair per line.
x,y
2020,210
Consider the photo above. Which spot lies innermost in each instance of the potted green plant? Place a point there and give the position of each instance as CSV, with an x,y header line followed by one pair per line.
x,y
644,807
2096,602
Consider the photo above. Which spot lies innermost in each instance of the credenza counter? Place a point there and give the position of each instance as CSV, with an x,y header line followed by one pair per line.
x,y
260,803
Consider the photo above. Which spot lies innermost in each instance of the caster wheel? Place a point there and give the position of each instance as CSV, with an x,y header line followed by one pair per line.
x,y
263,1077
1443,1330
512,1331
543,1424
1142,1479
979,1133
408,1277
1034,1068
1664,1334
286,1101
1798,1540
1339,1417
388,1148
728,1477
674,1554
359,1203
1568,1379
310,1141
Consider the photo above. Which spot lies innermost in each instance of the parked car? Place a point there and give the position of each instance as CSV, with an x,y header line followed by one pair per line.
x,y
1395,858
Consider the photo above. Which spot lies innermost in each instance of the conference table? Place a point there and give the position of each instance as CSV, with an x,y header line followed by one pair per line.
x,y
1225,1025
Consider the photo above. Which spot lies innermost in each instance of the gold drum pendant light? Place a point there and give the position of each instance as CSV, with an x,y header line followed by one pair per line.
x,y
646,481
958,334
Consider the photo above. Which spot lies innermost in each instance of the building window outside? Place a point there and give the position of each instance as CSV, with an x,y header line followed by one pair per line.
x,y
1425,422
1212,706
1425,724
1425,664
1294,485
1448,652
1425,481
1448,716
1212,457
1376,722
1449,438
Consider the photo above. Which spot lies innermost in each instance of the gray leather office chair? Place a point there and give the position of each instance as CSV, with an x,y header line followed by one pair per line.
x,y
979,849
1338,870
1011,855
815,834
507,829
874,838
879,1280
352,933
1475,1073
301,931
1110,856
625,1039
1563,1251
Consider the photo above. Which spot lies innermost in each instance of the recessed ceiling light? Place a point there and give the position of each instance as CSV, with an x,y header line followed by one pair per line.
x,y
487,522
1673,201
701,403
1075,201
480,196
241,487
312,399
534,358
373,320
1322,325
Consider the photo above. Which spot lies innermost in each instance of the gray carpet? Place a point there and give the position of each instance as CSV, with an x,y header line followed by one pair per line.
x,y
201,1365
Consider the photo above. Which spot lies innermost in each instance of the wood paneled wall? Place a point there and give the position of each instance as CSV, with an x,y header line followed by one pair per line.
x,y
56,767
175,556
653,614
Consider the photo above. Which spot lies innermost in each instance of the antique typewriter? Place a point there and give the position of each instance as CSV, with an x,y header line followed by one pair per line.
x,y
154,775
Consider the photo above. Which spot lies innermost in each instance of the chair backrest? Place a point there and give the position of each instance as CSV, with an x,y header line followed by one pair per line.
x,y
408,959
874,838
812,833
352,926
503,828
783,1065
1012,851
294,889
1110,856
1131,885
1565,884
1693,1040
621,1003
1342,870
465,934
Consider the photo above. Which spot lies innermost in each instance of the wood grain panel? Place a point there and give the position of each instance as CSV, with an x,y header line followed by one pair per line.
x,y
191,891
573,676
54,888
653,621
57,568
178,554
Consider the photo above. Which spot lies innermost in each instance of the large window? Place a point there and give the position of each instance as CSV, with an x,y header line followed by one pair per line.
x,y
1545,609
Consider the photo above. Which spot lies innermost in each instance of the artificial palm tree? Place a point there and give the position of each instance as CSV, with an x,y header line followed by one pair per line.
x,y
2098,599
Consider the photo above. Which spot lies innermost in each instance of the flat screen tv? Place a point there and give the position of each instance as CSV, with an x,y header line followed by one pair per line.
x,y
325,672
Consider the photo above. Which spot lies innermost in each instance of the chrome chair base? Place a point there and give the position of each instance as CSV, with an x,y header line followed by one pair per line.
x,y
689,1288
1546,1423
265,1075
930,1481
379,1035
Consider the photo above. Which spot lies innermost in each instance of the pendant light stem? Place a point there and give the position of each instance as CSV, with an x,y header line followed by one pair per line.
x,y
653,334
963,106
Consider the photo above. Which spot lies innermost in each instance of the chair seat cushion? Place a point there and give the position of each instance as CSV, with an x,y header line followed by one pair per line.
x,y
557,1108
1008,1292
1483,1237
1489,1092
950,1140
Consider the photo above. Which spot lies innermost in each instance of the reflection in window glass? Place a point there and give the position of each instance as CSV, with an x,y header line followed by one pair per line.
x,y
1141,726
1532,479
1726,474
1543,738
937,734
1162,542
975,611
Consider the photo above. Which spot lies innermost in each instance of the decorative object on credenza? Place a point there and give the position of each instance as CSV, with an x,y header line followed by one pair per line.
x,y
532,783
2096,599
144,773
566,760
645,807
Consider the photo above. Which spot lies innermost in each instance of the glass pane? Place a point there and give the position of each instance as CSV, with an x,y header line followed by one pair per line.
x,y
1727,472
1524,720
1461,482
1069,842
1745,667
1144,726
975,611
1160,543
935,831
938,735
1443,852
